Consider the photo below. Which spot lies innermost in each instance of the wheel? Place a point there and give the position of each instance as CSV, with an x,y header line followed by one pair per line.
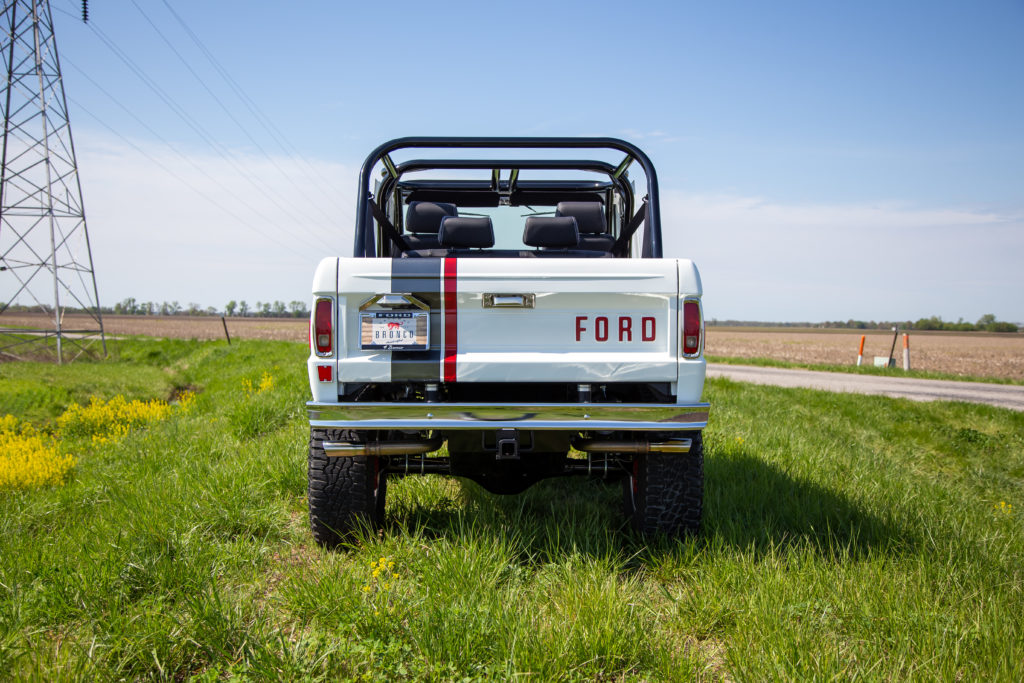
x,y
665,492
345,493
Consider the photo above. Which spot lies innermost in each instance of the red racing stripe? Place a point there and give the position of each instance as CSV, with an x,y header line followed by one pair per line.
x,y
451,319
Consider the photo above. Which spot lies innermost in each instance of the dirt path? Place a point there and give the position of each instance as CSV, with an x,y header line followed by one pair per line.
x,y
1001,395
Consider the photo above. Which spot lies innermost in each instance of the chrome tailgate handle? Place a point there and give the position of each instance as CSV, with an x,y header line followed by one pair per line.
x,y
509,300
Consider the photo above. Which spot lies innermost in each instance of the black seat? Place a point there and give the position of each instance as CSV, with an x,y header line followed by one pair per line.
x,y
464,232
423,223
546,232
590,220
504,253
472,237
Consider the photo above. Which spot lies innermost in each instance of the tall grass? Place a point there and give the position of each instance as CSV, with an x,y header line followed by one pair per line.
x,y
845,536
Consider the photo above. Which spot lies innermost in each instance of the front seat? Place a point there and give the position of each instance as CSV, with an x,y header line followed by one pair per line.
x,y
590,220
423,223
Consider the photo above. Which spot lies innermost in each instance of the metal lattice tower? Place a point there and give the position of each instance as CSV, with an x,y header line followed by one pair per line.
x,y
45,256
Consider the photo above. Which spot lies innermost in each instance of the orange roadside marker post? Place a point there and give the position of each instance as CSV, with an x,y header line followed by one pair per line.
x,y
906,352
860,351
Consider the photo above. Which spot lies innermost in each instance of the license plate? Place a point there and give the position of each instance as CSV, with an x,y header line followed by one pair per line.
x,y
395,330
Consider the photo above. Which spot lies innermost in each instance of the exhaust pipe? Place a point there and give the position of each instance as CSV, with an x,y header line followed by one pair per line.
x,y
632,447
380,449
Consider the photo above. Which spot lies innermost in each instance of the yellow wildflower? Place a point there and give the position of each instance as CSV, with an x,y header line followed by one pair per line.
x,y
26,459
266,383
110,420
187,400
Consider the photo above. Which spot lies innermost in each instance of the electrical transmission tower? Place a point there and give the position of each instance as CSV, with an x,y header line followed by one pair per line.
x,y
45,256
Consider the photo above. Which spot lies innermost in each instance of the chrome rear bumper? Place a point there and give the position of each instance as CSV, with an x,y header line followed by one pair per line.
x,y
541,416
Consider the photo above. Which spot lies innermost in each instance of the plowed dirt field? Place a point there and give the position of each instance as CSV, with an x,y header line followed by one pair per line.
x,y
175,326
978,354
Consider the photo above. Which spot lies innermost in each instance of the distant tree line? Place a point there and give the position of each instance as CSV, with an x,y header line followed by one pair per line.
x,y
131,306
261,309
266,309
987,323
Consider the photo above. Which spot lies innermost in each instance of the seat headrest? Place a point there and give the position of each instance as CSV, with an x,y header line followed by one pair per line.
x,y
553,232
589,215
466,232
421,217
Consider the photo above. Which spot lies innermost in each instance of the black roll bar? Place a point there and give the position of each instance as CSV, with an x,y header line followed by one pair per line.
x,y
384,150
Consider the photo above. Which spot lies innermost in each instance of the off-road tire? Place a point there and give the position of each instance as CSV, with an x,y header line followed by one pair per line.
x,y
665,493
345,493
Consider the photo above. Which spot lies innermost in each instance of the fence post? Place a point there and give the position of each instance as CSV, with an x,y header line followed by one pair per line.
x,y
225,324
892,350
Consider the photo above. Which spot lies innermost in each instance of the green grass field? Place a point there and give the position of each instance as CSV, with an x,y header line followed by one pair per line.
x,y
845,537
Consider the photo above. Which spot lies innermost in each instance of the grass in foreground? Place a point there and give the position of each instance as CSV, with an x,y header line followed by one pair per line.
x,y
862,370
846,536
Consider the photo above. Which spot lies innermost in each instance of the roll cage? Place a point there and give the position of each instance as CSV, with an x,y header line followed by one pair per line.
x,y
505,187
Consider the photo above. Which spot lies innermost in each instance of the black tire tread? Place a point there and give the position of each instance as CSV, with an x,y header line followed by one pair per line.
x,y
670,492
341,490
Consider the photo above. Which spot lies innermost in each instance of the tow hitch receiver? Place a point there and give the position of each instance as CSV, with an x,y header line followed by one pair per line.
x,y
508,444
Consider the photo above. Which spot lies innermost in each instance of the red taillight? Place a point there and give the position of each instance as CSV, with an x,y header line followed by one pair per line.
x,y
323,313
691,328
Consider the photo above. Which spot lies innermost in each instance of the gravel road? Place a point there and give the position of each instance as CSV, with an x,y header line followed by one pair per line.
x,y
1002,395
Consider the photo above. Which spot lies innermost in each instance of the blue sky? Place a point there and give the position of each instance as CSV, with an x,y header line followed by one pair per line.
x,y
819,161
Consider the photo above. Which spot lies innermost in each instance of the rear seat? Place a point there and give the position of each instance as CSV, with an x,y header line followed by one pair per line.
x,y
423,223
590,220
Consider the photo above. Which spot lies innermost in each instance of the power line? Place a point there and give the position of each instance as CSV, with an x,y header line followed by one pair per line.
x,y
219,150
195,125
241,126
247,224
198,167
268,124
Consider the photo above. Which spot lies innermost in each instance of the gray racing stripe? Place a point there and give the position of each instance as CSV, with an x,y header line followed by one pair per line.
x,y
420,277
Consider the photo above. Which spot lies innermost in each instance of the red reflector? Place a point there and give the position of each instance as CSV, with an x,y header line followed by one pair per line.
x,y
322,315
691,327
324,373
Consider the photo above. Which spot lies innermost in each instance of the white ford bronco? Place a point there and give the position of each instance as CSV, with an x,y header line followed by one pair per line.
x,y
507,298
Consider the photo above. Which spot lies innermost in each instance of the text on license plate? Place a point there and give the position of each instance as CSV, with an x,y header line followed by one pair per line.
x,y
405,330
